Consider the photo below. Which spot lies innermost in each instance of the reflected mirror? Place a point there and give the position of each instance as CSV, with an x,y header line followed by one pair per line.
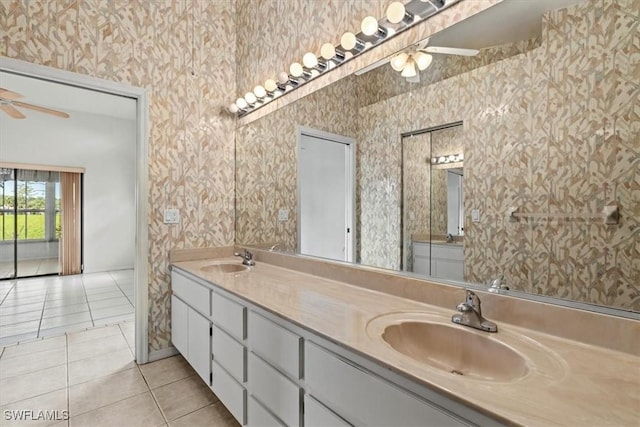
x,y
549,133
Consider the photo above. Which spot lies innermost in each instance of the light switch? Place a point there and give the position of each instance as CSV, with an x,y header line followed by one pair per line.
x,y
171,216
283,215
475,215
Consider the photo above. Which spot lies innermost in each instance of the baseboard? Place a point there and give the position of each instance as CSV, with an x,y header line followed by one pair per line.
x,y
162,354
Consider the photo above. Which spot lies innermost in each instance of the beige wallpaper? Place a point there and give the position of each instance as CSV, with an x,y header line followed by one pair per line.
x,y
183,52
553,129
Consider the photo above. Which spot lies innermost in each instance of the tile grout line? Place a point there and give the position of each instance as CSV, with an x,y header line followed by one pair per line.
x,y
66,347
153,396
84,290
118,285
44,303
10,290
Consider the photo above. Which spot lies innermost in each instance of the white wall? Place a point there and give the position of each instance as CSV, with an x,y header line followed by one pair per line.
x,y
105,146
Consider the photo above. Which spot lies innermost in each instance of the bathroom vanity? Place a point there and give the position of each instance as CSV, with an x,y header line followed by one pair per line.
x,y
439,259
283,347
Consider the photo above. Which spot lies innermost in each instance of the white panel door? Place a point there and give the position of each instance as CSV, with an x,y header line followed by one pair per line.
x,y
324,179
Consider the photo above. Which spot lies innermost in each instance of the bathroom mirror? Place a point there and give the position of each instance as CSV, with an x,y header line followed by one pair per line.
x,y
550,135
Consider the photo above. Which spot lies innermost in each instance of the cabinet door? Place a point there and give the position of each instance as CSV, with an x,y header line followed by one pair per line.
x,y
199,354
179,325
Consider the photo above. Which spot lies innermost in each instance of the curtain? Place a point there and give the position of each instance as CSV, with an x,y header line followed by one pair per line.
x,y
71,210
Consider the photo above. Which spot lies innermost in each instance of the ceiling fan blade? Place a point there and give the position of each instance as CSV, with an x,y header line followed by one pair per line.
x,y
451,51
8,94
41,109
11,111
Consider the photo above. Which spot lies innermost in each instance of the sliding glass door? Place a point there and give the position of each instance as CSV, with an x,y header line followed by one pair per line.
x,y
31,223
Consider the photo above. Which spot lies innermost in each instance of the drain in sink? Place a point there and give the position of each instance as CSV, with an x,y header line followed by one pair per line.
x,y
456,372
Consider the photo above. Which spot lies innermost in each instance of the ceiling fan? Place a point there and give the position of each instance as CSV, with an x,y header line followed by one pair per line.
x,y
418,57
9,102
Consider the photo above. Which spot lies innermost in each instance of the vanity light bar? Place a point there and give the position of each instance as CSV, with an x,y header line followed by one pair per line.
x,y
399,17
446,159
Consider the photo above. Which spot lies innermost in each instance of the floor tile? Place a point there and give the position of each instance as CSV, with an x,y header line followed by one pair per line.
x,y
112,311
15,309
65,309
213,415
31,362
137,411
101,289
93,334
11,319
165,371
12,300
33,384
65,302
115,319
104,391
129,332
111,302
183,397
69,293
13,339
107,295
67,319
19,328
33,347
92,348
52,401
99,366
61,330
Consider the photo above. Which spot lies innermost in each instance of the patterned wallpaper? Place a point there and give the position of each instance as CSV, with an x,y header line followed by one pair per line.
x,y
553,129
183,52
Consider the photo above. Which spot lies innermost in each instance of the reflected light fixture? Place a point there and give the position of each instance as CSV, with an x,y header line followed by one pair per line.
x,y
396,13
260,91
447,159
310,61
398,62
329,53
233,108
350,42
250,98
270,86
241,103
407,62
409,69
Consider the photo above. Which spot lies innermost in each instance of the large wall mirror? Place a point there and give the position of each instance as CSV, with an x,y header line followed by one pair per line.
x,y
478,167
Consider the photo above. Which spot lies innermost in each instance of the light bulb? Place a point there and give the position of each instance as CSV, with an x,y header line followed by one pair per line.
x,y
327,51
283,77
348,40
233,108
398,62
250,98
409,69
309,60
369,25
296,69
270,85
241,103
260,91
423,60
396,12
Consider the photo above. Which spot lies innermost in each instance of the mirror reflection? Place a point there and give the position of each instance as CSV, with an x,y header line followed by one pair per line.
x,y
549,136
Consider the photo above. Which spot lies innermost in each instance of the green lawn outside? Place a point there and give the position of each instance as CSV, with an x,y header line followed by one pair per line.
x,y
29,226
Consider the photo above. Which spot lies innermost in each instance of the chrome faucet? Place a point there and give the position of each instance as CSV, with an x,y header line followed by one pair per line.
x,y
449,238
471,314
247,258
497,285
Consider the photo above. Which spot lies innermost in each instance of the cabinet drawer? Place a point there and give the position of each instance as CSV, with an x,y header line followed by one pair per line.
x,y
363,398
230,393
191,292
199,344
228,315
228,353
275,391
317,415
260,417
275,344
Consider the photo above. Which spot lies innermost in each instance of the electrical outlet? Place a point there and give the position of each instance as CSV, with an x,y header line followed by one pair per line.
x,y
475,215
171,216
283,215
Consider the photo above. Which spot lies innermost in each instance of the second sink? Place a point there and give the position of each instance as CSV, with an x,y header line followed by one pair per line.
x,y
456,350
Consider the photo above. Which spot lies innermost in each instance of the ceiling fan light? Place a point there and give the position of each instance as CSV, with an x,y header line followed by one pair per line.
x,y
409,69
398,62
423,60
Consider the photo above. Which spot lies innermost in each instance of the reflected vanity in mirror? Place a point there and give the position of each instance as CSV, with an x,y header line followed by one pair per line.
x,y
546,123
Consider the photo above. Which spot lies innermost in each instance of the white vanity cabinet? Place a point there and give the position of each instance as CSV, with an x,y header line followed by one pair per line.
x,y
269,372
442,260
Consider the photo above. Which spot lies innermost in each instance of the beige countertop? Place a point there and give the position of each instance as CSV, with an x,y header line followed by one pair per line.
x,y
568,382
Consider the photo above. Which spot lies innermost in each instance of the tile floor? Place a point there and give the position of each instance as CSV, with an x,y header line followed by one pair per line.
x,y
92,375
30,267
52,305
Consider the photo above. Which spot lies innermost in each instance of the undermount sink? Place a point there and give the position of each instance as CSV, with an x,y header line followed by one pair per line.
x,y
224,268
456,350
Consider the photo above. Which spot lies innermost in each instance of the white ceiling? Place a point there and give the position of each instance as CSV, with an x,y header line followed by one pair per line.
x,y
67,98
506,22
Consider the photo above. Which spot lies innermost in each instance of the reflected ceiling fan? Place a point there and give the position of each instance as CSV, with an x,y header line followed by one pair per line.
x,y
418,58
9,102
